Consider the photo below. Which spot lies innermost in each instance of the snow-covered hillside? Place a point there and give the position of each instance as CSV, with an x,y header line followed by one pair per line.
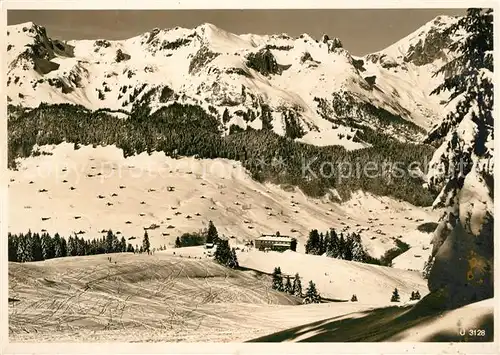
x,y
309,89
93,189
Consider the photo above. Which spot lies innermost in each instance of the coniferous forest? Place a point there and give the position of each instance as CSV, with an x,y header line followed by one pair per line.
x,y
348,246
187,130
38,247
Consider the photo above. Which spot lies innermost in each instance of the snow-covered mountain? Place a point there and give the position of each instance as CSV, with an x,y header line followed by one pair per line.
x,y
309,89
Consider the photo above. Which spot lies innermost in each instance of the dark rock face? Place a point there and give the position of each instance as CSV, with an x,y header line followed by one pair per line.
x,y
425,52
201,59
120,56
264,62
306,57
370,80
333,44
43,50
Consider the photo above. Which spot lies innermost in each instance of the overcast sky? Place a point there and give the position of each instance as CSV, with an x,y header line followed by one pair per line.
x,y
361,31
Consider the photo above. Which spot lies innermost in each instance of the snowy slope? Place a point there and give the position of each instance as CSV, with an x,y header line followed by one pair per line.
x,y
302,78
340,279
110,191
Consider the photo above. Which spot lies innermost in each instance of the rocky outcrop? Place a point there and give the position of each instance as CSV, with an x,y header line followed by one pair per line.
x,y
264,62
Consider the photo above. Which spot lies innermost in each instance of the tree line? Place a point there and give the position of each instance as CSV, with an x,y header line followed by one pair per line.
x,y
349,246
38,247
188,130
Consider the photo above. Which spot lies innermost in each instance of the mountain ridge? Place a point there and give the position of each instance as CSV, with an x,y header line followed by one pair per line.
x,y
310,90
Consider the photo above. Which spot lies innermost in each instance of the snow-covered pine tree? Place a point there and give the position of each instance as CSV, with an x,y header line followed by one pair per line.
x,y
13,241
358,252
212,234
342,247
36,247
145,242
116,244
277,279
233,259
64,246
288,285
297,285
333,245
461,169
223,254
24,252
313,242
312,295
123,245
395,295
109,241
47,247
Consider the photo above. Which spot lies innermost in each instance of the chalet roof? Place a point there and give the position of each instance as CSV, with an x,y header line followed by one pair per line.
x,y
271,238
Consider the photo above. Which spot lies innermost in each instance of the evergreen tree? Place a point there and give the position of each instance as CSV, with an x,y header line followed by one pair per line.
x,y
297,286
64,247
47,247
395,295
312,295
24,250
145,242
130,248
277,279
321,243
341,247
354,298
288,285
13,245
36,247
465,138
293,244
313,243
57,243
417,295
178,242
109,241
72,247
212,234
233,260
222,254
225,116
81,246
358,252
116,245
123,245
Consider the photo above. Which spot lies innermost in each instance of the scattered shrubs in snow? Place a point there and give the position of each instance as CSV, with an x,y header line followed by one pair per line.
x,y
354,298
415,295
